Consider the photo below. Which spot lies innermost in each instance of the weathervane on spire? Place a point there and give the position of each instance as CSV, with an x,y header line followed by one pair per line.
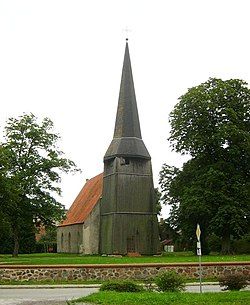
x,y
127,30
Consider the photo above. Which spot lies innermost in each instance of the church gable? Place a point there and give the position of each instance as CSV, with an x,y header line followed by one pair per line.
x,y
84,202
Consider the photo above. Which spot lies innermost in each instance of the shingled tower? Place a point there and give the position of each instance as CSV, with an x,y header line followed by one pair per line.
x,y
128,217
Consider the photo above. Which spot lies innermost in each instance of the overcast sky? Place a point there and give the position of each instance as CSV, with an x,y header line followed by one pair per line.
x,y
63,60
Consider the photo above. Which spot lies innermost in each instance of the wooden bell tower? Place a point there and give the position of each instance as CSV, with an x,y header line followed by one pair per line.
x,y
128,216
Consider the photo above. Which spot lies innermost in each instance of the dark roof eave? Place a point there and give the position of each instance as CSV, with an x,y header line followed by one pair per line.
x,y
71,224
127,147
109,157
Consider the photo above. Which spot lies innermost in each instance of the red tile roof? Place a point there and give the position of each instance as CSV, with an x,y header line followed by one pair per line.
x,y
84,202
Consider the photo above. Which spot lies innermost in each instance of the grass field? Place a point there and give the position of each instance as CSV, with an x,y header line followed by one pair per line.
x,y
56,258
151,298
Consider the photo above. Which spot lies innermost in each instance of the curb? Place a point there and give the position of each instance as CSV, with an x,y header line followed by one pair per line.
x,y
49,286
78,286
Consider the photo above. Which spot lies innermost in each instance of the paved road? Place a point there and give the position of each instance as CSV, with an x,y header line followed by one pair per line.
x,y
58,296
205,288
208,288
41,296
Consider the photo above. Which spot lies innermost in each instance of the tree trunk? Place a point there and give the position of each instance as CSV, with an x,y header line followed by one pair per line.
x,y
225,244
16,242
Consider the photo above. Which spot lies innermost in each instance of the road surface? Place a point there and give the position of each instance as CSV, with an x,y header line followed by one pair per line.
x,y
41,296
59,296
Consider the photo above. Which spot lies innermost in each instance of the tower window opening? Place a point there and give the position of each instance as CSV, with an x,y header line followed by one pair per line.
x,y
110,162
125,161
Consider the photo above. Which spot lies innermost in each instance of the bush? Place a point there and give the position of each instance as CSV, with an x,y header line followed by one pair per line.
x,y
170,281
233,281
121,286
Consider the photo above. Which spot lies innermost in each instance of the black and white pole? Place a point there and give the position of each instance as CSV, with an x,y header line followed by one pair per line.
x,y
198,234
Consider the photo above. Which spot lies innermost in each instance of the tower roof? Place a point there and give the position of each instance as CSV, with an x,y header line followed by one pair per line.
x,y
127,139
127,120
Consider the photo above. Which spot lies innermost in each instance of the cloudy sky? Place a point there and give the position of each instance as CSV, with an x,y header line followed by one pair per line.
x,y
63,60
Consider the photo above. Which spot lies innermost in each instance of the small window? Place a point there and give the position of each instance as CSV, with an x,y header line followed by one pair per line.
x,y
124,161
110,162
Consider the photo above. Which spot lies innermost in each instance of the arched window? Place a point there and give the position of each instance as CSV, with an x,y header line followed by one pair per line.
x,y
78,241
62,241
69,242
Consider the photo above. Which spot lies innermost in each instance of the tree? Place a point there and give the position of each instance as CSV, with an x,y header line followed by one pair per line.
x,y
48,240
31,164
6,194
157,200
211,123
183,190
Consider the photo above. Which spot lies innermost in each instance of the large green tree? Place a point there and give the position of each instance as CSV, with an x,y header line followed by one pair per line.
x,y
31,164
211,123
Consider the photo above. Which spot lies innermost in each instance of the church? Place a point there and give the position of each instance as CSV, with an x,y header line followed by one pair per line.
x,y
115,211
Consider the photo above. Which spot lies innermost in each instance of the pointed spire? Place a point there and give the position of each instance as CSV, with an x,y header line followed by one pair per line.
x,y
127,120
127,140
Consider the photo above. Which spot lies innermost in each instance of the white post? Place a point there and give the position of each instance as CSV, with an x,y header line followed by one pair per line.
x,y
198,234
200,273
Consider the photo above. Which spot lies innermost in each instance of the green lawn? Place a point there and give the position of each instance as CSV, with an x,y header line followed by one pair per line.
x,y
54,259
151,298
